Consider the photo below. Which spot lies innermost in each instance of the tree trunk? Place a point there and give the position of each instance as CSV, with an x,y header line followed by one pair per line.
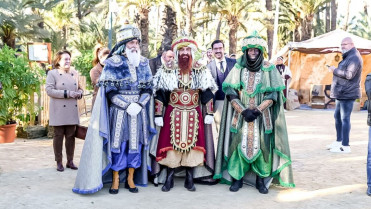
x,y
143,22
270,25
317,29
217,36
328,26
347,16
333,14
366,7
189,16
307,27
64,30
233,27
79,10
169,28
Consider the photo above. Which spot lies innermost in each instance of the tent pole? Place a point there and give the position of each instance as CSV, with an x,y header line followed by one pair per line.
x,y
289,65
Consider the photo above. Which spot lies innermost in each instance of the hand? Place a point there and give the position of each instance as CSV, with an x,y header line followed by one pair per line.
x,y
159,121
133,109
74,94
331,68
250,114
209,119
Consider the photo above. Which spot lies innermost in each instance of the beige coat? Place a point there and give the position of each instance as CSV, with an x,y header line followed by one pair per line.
x,y
95,73
63,111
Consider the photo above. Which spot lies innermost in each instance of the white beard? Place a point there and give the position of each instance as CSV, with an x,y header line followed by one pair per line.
x,y
343,51
133,56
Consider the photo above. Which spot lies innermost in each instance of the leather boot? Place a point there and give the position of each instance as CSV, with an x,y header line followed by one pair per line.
x,y
169,183
129,184
260,185
188,183
236,185
60,166
115,181
71,165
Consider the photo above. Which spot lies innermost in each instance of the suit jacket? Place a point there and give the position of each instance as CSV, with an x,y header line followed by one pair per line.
x,y
155,64
213,69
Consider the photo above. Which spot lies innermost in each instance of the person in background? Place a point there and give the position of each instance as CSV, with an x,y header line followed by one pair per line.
x,y
345,88
233,56
63,88
285,75
100,55
368,92
209,55
219,68
166,57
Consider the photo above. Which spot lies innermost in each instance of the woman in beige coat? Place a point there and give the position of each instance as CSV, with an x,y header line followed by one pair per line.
x,y
100,54
63,88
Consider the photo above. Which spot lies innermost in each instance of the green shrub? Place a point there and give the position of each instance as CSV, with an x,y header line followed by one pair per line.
x,y
83,64
20,82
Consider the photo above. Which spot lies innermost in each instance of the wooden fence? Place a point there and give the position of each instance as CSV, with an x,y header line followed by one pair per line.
x,y
43,102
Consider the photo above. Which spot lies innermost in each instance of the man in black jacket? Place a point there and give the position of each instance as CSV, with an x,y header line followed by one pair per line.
x,y
345,88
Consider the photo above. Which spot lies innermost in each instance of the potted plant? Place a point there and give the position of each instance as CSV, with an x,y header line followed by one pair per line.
x,y
19,84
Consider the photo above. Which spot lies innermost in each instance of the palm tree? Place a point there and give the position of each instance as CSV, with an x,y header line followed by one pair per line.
x,y
144,7
16,22
235,13
168,28
361,26
333,14
300,15
61,19
85,7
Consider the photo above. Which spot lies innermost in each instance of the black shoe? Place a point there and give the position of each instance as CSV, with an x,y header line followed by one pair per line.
x,y
369,191
132,190
236,185
188,183
113,191
260,185
169,180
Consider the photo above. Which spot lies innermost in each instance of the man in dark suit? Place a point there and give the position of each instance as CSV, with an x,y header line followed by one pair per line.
x,y
166,57
219,67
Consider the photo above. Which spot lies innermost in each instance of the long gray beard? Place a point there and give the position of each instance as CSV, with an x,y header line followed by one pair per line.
x,y
133,57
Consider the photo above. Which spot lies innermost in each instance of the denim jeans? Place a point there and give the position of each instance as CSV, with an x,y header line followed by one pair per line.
x,y
369,158
343,110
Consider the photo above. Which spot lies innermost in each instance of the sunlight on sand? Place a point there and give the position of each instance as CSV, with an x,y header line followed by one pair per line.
x,y
295,195
348,159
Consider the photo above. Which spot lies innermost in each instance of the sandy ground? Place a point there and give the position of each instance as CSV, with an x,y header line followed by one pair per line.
x,y
28,178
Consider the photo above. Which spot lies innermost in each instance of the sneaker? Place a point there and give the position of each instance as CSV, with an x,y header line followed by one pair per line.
x,y
333,145
341,149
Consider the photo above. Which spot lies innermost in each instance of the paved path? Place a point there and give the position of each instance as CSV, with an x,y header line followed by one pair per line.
x,y
28,178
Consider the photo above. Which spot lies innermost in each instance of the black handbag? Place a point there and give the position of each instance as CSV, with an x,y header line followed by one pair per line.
x,y
81,132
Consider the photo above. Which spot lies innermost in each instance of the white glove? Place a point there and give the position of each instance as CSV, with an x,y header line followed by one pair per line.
x,y
133,109
209,119
159,121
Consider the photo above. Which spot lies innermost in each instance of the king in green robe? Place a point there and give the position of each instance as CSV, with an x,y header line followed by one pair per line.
x,y
253,145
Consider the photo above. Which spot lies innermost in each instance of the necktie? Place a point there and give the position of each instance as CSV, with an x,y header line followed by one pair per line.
x,y
221,67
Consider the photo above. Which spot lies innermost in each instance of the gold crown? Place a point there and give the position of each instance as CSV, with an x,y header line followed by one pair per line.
x,y
127,32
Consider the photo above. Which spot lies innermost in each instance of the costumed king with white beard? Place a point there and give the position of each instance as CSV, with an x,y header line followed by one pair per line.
x,y
121,124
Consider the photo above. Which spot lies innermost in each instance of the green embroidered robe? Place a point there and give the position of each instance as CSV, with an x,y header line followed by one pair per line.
x,y
260,147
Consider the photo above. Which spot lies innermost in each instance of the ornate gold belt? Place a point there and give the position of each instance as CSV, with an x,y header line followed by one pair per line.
x,y
184,98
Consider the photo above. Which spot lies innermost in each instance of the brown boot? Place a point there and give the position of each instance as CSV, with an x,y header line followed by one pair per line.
x,y
71,165
115,183
130,181
60,166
